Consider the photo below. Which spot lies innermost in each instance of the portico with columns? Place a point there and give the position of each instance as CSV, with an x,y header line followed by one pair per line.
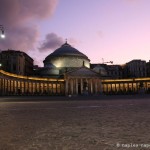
x,y
83,81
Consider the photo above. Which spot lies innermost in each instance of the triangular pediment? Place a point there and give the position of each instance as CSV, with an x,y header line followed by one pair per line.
x,y
83,72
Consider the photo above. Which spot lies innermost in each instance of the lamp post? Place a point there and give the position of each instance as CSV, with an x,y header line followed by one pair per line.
x,y
0,66
2,35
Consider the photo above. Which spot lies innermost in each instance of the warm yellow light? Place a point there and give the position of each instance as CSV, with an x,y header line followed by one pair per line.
x,y
117,80
29,78
126,80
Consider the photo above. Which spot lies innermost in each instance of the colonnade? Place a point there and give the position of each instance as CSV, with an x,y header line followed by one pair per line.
x,y
11,84
126,87
17,87
21,85
83,86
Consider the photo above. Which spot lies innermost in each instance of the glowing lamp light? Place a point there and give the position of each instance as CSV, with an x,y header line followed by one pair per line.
x,y
3,35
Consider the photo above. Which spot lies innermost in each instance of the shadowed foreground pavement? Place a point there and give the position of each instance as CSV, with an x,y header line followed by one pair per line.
x,y
73,124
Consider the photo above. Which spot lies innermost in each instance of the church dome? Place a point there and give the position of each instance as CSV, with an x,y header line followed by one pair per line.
x,y
66,50
66,56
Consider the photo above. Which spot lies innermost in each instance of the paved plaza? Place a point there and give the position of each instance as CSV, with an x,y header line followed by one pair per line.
x,y
75,123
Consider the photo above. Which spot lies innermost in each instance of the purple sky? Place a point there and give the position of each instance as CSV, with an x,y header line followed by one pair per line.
x,y
116,30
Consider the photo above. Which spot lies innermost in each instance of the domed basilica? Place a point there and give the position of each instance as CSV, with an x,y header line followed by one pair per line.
x,y
70,64
66,59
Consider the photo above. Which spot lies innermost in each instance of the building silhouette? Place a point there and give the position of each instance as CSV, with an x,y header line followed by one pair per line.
x,y
67,71
136,68
16,62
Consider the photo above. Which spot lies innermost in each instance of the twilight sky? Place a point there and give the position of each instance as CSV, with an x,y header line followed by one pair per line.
x,y
115,30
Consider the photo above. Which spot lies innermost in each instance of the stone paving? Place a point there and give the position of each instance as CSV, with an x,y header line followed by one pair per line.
x,y
74,124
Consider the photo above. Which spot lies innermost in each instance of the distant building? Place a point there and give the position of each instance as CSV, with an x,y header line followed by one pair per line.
x,y
109,71
36,69
100,68
136,68
16,62
148,68
115,71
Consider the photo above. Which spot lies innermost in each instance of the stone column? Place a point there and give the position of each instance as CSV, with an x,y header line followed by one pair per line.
x,y
28,87
111,87
76,86
146,85
119,87
101,86
91,86
20,87
7,86
87,86
1,86
52,88
35,87
25,87
17,87
4,86
6,90
10,85
66,87
96,86
71,86
47,89
81,86
115,88
56,88
31,86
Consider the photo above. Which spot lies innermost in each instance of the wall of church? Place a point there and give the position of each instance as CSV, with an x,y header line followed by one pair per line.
x,y
68,62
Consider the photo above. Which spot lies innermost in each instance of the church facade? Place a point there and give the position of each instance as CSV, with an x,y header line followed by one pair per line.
x,y
67,71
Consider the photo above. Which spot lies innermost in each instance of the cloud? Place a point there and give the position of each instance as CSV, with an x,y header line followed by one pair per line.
x,y
51,42
14,12
20,38
18,17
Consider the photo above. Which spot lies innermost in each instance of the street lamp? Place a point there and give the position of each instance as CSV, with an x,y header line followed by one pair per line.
x,y
2,30
0,66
